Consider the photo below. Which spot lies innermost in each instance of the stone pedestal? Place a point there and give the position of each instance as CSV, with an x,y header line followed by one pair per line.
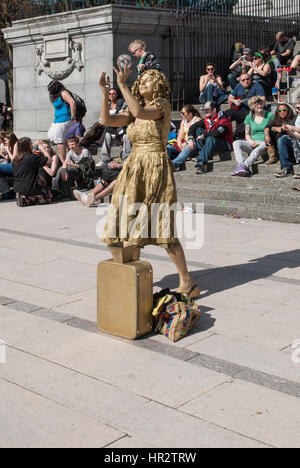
x,y
76,47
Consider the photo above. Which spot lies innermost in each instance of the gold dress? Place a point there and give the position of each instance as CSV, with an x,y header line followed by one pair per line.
x,y
145,190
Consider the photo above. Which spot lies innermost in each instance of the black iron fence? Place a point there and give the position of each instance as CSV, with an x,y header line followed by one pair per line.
x,y
207,34
224,6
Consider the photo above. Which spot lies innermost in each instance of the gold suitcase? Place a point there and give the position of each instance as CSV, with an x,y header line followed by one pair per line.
x,y
125,298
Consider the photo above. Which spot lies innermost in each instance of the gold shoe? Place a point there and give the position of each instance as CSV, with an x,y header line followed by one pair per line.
x,y
192,293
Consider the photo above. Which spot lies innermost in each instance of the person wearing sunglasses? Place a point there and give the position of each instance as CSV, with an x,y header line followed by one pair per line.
x,y
262,72
254,145
115,105
275,130
289,147
212,87
238,101
147,60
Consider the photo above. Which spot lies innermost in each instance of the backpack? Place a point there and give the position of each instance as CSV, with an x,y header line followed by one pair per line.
x,y
87,167
80,106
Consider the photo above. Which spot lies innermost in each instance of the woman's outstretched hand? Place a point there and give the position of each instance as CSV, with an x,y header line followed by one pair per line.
x,y
122,74
104,82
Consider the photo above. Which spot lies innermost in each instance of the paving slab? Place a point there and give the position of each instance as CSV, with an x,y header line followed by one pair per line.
x,y
30,421
236,350
251,410
54,277
172,429
109,360
21,292
75,391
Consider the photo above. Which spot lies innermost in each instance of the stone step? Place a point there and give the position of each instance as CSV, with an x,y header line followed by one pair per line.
x,y
227,193
219,178
226,167
248,210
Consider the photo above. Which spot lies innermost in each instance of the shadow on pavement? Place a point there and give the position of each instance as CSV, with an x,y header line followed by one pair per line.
x,y
216,280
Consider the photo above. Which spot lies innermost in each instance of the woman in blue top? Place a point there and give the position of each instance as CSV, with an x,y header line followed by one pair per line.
x,y
64,118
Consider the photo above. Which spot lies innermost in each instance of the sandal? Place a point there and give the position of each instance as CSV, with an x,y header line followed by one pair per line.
x,y
192,293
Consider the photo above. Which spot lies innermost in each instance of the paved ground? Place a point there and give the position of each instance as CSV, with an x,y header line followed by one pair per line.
x,y
230,383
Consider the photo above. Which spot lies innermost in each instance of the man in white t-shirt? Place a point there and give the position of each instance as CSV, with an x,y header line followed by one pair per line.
x,y
71,173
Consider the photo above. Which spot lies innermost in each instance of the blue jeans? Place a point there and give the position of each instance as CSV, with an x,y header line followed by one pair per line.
x,y
208,147
172,152
208,95
182,157
285,149
6,170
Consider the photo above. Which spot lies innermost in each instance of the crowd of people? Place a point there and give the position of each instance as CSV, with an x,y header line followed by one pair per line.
x,y
248,127
37,173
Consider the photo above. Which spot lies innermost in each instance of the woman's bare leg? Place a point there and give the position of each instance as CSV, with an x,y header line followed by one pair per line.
x,y
177,255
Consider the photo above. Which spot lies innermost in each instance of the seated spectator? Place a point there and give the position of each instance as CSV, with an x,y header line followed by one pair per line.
x,y
6,170
212,87
74,170
283,51
109,174
50,170
189,115
147,60
289,148
240,67
254,145
112,134
274,131
29,186
262,73
238,101
213,134
7,153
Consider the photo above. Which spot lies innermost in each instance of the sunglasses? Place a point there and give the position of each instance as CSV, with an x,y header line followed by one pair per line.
x,y
282,110
112,94
135,51
246,79
210,69
298,108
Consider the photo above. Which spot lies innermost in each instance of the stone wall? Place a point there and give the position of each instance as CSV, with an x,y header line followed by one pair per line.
x,y
86,42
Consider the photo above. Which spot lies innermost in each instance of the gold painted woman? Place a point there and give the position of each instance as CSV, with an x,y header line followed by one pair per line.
x,y
145,192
